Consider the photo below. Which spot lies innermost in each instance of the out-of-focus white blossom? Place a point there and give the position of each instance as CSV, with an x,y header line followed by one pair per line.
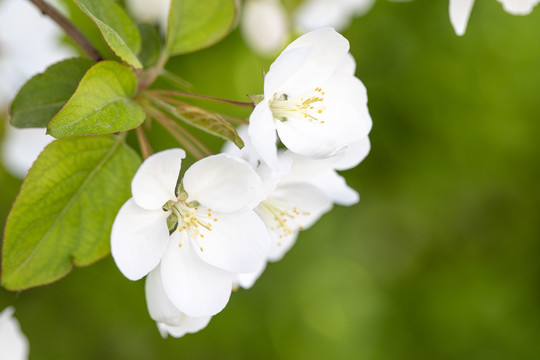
x,y
29,42
13,343
460,10
265,26
150,11
21,147
315,14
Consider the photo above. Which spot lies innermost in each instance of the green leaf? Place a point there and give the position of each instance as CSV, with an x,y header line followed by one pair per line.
x,y
117,28
65,209
101,104
196,24
208,121
44,94
151,45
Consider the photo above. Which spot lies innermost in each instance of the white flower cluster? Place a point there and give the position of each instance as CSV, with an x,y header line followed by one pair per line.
x,y
198,237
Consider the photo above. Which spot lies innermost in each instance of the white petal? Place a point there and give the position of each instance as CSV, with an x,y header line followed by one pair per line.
x,y
139,238
518,7
291,208
13,343
183,326
347,65
352,155
460,10
262,133
155,11
169,319
328,49
21,148
155,181
159,306
307,199
247,280
281,245
315,14
223,183
283,68
321,174
264,25
335,187
193,286
237,242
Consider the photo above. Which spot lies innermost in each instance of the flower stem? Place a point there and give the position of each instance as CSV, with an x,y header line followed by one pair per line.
x,y
179,133
152,73
70,29
189,135
199,96
146,149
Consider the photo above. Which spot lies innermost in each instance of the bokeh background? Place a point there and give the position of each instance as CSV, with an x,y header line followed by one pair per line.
x,y
439,260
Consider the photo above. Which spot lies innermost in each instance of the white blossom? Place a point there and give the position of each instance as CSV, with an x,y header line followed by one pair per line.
x,y
29,42
315,14
21,147
169,320
150,11
311,98
265,26
297,194
13,343
214,233
460,10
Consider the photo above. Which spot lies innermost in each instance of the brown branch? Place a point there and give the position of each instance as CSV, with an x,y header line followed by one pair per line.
x,y
146,149
69,28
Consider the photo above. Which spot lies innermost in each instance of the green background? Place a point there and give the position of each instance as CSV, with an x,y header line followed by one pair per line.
x,y
439,260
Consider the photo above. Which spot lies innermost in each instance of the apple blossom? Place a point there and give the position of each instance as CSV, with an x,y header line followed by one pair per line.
x,y
170,320
201,232
265,25
13,343
29,50
314,14
460,10
21,147
311,99
155,11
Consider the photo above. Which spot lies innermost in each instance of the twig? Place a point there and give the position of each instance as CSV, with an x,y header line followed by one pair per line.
x,y
70,29
146,149
204,97
230,119
175,130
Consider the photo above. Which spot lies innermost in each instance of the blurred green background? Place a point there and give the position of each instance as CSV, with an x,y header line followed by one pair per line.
x,y
439,260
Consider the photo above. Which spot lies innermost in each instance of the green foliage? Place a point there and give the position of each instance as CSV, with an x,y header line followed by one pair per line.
x,y
65,209
151,45
195,24
44,94
101,104
118,29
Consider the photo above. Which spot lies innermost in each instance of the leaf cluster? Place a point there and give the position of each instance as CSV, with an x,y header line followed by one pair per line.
x,y
64,211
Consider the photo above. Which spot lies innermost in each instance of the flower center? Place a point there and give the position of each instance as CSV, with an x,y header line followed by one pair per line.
x,y
283,219
191,217
307,106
